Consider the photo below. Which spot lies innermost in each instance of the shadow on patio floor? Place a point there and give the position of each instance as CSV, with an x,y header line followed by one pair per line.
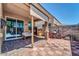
x,y
16,44
75,48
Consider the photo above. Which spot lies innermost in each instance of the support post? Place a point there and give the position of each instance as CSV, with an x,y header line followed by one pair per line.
x,y
32,39
47,32
1,29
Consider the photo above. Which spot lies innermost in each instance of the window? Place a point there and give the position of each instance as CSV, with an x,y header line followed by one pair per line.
x,y
14,28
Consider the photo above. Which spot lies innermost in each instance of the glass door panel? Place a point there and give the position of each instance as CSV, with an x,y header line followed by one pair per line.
x,y
20,27
11,28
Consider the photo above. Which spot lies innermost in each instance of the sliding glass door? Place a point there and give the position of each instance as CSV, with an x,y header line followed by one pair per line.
x,y
14,28
20,28
11,28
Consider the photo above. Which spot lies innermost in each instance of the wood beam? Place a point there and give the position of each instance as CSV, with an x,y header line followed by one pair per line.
x,y
32,39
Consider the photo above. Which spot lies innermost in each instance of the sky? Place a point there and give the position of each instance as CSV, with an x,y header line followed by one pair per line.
x,y
66,13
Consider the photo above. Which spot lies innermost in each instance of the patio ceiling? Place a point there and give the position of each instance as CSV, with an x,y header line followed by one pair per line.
x,y
43,10
17,9
37,13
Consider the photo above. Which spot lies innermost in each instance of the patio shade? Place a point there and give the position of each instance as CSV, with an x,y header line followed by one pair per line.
x,y
37,13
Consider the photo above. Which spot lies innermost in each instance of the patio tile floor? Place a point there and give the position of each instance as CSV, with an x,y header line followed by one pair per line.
x,y
53,47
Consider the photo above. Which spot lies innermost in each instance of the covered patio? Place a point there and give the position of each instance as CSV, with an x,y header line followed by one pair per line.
x,y
39,29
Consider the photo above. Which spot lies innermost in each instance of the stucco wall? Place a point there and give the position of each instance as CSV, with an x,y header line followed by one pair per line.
x,y
1,10
39,24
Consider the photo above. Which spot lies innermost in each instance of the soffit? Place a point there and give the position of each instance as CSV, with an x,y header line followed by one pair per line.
x,y
16,8
42,10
